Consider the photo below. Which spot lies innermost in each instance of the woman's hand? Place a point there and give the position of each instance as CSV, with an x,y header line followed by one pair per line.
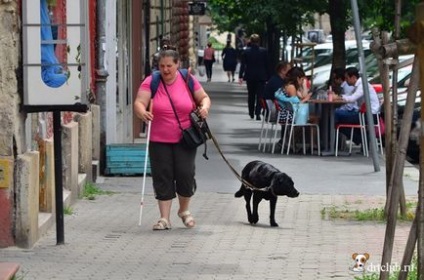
x,y
203,111
140,104
146,116
307,97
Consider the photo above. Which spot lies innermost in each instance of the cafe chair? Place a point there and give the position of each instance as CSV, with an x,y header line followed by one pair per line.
x,y
269,123
284,123
378,125
361,126
301,120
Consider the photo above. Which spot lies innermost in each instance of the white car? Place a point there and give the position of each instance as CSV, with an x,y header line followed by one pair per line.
x,y
321,72
288,47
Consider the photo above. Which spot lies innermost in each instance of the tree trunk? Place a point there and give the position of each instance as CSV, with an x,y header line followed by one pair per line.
x,y
395,186
409,250
273,44
388,113
337,13
420,227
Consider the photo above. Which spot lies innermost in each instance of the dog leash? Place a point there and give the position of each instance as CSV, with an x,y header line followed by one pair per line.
x,y
239,177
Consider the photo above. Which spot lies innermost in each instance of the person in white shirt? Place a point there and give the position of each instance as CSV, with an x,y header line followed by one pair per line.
x,y
353,78
341,87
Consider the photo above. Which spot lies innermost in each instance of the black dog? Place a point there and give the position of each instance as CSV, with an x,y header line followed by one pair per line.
x,y
270,182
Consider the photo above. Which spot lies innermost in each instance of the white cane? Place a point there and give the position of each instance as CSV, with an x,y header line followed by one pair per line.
x,y
149,124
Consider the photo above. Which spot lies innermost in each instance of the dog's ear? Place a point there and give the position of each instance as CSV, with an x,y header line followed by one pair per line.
x,y
367,256
354,255
286,179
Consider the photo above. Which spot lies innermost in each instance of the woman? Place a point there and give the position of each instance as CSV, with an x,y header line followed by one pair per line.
x,y
293,92
229,57
172,165
208,60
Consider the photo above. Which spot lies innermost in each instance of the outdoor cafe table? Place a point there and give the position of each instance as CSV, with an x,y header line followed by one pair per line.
x,y
327,121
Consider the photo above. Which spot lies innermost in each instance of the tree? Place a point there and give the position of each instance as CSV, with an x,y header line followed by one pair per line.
x,y
268,18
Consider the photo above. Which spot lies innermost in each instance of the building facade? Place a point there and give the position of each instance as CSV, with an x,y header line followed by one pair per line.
x,y
121,37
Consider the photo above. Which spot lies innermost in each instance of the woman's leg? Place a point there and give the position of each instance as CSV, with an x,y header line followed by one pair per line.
x,y
185,181
163,176
184,203
208,67
165,209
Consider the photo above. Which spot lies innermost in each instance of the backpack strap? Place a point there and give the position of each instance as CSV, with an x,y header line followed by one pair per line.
x,y
154,84
187,77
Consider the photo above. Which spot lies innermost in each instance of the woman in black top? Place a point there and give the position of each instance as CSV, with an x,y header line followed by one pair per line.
x,y
229,57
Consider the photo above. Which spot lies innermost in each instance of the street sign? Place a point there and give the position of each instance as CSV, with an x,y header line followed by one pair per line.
x,y
196,9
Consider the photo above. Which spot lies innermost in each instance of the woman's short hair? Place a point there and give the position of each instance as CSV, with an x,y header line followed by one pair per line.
x,y
169,53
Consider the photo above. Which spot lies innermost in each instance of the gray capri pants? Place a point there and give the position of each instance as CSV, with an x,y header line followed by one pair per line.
x,y
173,170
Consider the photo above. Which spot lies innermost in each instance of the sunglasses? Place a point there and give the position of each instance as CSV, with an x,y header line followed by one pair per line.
x,y
168,47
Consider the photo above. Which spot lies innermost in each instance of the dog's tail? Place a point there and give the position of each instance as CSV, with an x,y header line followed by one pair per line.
x,y
240,192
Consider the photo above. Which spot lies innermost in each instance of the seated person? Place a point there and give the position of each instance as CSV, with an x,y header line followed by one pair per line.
x,y
293,92
353,78
277,80
341,88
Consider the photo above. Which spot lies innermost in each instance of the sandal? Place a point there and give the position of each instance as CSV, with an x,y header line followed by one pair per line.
x,y
162,224
187,218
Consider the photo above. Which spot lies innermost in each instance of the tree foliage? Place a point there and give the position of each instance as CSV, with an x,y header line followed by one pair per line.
x,y
253,15
273,18
381,14
291,16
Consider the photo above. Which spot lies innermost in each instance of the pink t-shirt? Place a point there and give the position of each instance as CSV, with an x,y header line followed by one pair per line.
x,y
208,53
165,127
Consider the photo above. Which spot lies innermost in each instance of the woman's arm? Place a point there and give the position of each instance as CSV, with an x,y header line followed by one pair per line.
x,y
203,102
303,89
290,90
140,105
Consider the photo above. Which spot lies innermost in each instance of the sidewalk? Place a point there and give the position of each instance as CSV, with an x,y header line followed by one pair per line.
x,y
103,239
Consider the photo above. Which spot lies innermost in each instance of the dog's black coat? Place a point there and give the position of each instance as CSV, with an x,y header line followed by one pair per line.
x,y
263,175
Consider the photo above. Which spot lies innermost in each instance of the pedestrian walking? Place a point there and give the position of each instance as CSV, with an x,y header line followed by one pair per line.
x,y
172,164
200,53
254,69
229,58
209,60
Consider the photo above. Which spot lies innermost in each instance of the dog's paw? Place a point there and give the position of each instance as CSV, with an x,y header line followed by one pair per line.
x,y
274,224
254,219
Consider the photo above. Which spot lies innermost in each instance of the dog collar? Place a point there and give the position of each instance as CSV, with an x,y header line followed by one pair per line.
x,y
266,189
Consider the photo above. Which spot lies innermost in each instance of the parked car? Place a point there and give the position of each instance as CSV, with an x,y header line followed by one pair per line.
x,y
413,151
322,69
286,50
313,53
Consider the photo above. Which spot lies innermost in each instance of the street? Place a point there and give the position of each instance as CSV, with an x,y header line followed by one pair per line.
x,y
103,239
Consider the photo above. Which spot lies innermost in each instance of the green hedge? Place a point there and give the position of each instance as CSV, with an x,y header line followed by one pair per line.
x,y
215,44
